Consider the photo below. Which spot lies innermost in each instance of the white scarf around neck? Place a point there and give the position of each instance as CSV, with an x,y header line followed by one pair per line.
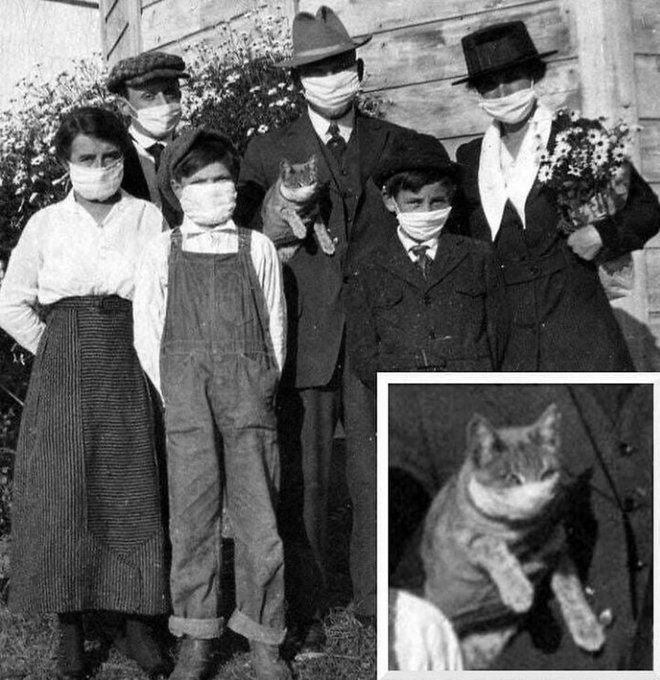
x,y
493,190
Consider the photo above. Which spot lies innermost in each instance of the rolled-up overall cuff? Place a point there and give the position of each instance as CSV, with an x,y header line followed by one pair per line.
x,y
252,630
201,629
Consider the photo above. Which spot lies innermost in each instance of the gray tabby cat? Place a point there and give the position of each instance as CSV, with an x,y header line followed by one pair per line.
x,y
291,206
494,531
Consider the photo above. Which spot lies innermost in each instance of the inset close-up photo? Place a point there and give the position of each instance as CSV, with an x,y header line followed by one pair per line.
x,y
520,527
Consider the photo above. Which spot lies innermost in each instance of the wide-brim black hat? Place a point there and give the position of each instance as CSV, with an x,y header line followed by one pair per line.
x,y
498,47
318,37
415,151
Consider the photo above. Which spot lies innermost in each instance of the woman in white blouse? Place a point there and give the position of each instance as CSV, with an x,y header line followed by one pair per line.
x,y
87,527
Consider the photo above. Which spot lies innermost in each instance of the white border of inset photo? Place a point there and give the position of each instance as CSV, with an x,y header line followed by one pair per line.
x,y
383,383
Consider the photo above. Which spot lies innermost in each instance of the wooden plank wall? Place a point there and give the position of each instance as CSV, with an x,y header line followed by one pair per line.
x,y
120,28
173,24
646,29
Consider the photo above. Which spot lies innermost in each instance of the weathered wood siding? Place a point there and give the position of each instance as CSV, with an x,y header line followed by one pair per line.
x,y
646,60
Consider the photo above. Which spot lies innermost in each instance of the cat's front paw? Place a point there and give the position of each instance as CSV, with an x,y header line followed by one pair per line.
x,y
519,596
588,634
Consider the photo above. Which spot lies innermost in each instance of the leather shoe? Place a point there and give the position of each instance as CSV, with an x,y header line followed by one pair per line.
x,y
144,650
196,659
308,639
71,648
267,663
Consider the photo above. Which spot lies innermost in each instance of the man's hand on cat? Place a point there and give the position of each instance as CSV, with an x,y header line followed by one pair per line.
x,y
585,242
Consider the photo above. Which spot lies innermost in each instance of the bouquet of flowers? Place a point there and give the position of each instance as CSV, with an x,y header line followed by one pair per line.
x,y
589,171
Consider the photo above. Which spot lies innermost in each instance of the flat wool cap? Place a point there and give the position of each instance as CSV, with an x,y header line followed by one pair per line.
x,y
178,149
135,71
414,151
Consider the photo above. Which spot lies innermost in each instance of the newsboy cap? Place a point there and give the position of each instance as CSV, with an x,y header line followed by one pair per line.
x,y
318,37
498,47
135,71
414,151
178,149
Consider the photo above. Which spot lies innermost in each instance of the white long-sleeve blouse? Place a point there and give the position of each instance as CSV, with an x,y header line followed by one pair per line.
x,y
64,252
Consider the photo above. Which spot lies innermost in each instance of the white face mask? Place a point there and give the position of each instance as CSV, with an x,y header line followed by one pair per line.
x,y
332,93
209,204
159,121
511,109
422,226
96,184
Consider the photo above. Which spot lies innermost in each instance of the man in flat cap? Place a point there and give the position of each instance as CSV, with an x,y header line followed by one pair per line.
x,y
149,92
318,387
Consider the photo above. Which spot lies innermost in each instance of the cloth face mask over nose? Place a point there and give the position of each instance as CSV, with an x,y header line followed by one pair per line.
x,y
209,204
422,226
159,121
96,184
511,109
334,92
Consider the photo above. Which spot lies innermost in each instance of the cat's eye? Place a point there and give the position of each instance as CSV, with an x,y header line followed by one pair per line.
x,y
546,474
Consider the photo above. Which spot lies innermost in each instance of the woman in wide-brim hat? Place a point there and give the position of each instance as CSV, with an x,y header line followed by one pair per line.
x,y
562,320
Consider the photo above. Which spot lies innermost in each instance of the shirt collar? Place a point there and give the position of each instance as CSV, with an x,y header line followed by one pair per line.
x,y
190,229
145,141
409,243
321,124
71,204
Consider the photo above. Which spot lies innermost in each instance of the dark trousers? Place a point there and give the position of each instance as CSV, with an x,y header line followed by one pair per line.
x,y
307,422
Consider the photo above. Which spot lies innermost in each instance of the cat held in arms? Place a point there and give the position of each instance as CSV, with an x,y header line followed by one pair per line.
x,y
291,206
494,531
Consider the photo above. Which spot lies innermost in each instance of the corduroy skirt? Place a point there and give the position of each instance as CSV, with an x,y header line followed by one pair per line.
x,y
86,521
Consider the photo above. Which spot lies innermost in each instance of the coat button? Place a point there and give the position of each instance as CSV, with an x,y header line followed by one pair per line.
x,y
626,449
534,269
426,299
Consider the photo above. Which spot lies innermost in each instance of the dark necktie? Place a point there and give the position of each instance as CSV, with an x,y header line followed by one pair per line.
x,y
336,143
422,260
156,150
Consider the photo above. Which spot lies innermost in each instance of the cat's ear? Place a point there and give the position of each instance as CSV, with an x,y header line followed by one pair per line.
x,y
547,427
285,167
482,438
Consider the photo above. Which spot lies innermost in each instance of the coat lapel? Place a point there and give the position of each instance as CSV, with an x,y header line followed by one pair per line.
x,y
393,257
451,252
372,137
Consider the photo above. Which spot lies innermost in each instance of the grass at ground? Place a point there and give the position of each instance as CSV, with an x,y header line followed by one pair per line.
x,y
28,647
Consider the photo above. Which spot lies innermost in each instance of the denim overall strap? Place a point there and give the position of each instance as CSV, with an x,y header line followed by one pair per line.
x,y
244,247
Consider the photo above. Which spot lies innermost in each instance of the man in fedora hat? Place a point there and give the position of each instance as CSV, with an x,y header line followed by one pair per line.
x,y
147,86
318,386
551,281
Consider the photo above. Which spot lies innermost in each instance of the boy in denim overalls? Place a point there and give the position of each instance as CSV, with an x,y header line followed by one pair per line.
x,y
210,332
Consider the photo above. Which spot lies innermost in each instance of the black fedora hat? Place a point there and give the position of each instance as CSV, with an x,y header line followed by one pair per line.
x,y
318,37
415,151
498,47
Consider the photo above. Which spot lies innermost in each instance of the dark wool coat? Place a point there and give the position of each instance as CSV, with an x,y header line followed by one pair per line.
x,y
454,320
605,430
561,318
354,213
134,183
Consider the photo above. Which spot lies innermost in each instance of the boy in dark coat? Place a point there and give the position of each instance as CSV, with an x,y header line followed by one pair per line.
x,y
424,299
